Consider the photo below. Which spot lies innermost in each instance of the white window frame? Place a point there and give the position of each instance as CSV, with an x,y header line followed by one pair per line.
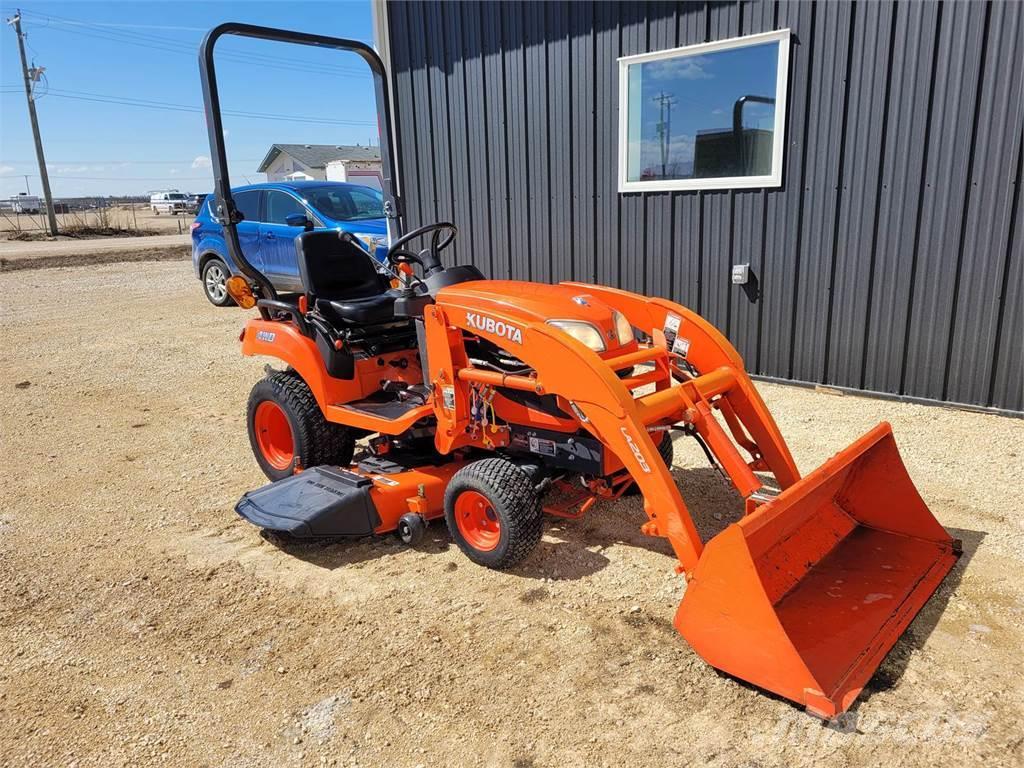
x,y
774,179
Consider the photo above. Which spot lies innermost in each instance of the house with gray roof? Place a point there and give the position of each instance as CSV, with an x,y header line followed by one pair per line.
x,y
323,162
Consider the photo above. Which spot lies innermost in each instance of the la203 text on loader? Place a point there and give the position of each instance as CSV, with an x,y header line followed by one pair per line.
x,y
481,396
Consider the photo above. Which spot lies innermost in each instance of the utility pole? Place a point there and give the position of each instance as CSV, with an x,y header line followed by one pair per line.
x,y
15,21
664,128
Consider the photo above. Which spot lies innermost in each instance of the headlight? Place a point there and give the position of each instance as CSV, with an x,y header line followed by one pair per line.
x,y
584,333
622,328
372,242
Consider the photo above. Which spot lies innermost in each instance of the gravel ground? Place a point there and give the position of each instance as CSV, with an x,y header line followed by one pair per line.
x,y
143,623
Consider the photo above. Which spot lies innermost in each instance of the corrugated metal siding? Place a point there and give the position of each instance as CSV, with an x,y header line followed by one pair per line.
x,y
892,258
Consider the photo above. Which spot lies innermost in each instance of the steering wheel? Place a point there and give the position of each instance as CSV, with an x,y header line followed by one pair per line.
x,y
429,258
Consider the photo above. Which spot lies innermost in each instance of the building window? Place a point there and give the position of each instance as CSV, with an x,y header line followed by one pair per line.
x,y
708,116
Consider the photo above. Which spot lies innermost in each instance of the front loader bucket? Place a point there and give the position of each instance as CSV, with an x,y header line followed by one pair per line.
x,y
806,595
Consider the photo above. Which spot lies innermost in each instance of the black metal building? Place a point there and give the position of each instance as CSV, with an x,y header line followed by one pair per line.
x,y
890,259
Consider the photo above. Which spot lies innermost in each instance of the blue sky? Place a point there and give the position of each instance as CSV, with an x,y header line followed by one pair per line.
x,y
98,55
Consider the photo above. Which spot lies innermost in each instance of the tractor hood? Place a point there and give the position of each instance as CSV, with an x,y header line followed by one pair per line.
x,y
533,302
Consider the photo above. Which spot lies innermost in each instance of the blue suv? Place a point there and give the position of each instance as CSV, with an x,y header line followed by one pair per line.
x,y
267,232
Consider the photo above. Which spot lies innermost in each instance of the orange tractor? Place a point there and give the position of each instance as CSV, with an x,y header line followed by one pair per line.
x,y
480,397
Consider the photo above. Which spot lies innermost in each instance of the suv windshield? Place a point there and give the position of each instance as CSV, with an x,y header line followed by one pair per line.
x,y
176,197
346,202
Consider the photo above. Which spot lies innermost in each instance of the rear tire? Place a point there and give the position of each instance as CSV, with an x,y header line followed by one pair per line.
x,y
215,274
288,430
493,513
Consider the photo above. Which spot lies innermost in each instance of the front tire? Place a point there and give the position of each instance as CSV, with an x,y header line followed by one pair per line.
x,y
493,513
215,275
287,429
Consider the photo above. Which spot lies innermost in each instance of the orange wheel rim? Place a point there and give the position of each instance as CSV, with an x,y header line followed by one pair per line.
x,y
477,521
274,435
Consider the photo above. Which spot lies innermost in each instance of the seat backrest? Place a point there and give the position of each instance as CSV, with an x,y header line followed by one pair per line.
x,y
333,267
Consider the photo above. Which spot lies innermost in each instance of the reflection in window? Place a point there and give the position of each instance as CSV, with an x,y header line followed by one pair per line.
x,y
346,202
699,114
280,206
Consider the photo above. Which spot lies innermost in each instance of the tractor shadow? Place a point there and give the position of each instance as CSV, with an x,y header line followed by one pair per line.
x,y
333,553
571,549
714,505
574,549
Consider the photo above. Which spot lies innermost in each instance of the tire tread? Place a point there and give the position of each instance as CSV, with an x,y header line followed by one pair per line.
x,y
507,486
321,441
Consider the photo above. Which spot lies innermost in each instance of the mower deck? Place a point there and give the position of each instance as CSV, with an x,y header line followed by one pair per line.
x,y
335,502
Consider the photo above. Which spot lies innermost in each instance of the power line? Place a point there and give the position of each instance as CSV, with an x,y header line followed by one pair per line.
x,y
140,26
169,45
120,162
131,101
116,178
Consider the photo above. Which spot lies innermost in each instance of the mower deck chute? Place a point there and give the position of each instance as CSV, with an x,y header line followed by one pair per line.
x,y
806,595
322,501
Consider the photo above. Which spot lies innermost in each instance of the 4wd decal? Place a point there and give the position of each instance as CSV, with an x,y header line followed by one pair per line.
x,y
497,327
267,336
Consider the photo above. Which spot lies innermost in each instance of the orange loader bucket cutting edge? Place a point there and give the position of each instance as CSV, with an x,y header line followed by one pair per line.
x,y
805,596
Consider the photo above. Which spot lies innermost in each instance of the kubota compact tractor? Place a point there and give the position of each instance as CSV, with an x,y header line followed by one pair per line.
x,y
479,396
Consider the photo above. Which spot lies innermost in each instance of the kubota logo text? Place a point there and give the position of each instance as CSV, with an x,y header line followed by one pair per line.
x,y
497,327
636,450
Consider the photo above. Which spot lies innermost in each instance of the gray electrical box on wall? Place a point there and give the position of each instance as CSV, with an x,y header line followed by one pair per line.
x,y
740,274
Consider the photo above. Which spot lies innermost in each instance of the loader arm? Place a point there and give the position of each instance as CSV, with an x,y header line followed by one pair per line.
x,y
605,405
708,350
805,594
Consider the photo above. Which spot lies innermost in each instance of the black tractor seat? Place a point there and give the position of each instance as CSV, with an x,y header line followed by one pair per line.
x,y
369,310
342,281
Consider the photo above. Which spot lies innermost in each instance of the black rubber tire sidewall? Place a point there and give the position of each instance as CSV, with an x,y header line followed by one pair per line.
x,y
227,301
314,440
513,499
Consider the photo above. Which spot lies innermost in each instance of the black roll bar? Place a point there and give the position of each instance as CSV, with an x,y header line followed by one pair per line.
x,y
225,211
737,124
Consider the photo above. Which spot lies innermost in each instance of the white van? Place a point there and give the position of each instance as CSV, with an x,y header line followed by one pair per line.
x,y
25,203
172,202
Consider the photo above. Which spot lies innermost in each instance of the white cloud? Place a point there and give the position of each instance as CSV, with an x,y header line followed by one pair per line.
x,y
226,133
175,170
680,155
686,68
202,161
69,168
6,168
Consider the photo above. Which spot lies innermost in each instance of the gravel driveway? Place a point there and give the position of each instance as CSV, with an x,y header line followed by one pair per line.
x,y
143,623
